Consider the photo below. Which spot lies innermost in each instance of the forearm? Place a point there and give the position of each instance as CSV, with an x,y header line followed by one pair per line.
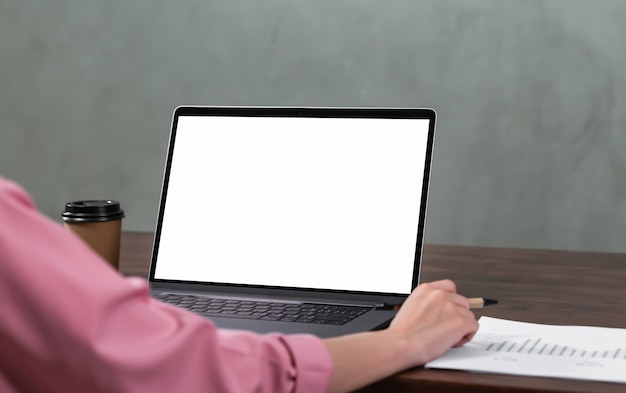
x,y
364,358
71,323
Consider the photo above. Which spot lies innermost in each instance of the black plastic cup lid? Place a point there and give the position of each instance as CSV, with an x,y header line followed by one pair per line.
x,y
93,210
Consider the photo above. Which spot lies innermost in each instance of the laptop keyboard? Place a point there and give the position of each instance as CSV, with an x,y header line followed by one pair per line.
x,y
269,311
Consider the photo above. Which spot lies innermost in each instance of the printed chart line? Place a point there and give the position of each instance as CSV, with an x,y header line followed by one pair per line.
x,y
536,346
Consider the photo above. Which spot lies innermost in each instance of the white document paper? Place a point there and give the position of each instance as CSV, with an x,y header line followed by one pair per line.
x,y
520,348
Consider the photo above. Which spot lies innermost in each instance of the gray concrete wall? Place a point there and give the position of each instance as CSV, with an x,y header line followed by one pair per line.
x,y
531,97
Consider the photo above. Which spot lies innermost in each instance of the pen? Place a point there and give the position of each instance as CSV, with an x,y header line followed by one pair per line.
x,y
475,302
480,302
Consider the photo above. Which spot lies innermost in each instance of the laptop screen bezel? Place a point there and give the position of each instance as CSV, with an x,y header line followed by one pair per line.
x,y
312,112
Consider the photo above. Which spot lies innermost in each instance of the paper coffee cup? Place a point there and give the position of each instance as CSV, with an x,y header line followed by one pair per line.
x,y
99,224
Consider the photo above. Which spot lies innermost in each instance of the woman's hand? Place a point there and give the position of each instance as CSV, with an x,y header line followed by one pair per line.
x,y
433,319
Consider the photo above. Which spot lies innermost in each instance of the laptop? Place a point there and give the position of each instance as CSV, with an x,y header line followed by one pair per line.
x,y
293,220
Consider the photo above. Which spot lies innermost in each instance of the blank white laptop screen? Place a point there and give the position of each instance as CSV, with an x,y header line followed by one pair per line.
x,y
323,203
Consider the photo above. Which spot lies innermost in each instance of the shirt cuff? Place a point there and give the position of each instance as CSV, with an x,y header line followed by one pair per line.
x,y
313,363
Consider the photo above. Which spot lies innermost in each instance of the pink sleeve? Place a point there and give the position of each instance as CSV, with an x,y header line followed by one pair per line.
x,y
70,323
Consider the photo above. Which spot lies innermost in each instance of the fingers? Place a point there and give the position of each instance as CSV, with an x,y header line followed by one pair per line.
x,y
467,338
444,285
433,320
439,316
431,303
459,300
440,291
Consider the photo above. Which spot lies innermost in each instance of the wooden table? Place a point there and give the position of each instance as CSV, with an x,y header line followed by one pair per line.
x,y
552,287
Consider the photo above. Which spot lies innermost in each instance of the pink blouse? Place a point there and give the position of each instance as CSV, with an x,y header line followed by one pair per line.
x,y
70,323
